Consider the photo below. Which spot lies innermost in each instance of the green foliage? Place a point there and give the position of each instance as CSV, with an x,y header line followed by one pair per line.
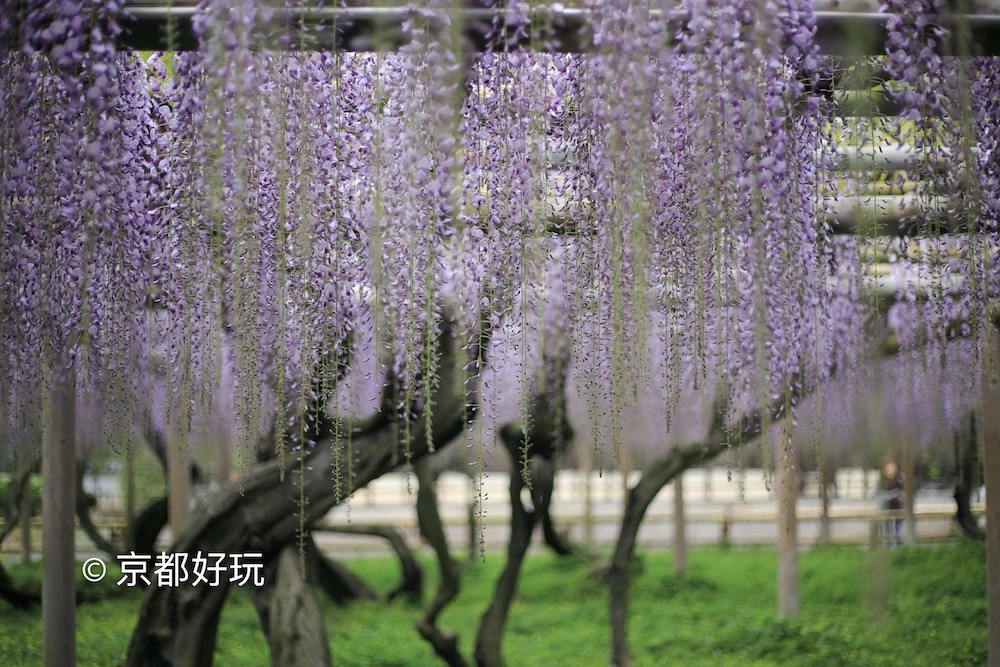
x,y
105,619
29,577
150,478
722,613
36,490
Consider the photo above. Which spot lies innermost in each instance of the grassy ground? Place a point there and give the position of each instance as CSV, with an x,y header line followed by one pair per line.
x,y
909,607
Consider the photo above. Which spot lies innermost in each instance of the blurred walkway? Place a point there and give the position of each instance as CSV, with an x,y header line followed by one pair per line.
x,y
719,507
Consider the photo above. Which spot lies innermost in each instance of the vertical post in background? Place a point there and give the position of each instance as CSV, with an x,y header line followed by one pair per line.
x,y
58,516
680,539
178,470
224,427
475,526
909,493
625,465
224,469
991,473
787,491
27,509
587,465
825,474
129,486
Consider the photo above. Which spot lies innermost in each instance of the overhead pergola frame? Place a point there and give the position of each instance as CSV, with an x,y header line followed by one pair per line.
x,y
552,28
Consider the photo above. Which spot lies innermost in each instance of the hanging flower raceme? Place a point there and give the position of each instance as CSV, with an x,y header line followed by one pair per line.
x,y
275,203
748,191
75,184
619,104
949,105
415,209
984,276
122,260
276,229
336,196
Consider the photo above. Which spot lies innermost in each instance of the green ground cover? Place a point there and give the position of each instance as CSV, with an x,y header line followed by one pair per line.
x,y
908,607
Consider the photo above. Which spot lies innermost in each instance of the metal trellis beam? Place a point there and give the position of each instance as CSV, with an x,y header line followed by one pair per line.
x,y
553,28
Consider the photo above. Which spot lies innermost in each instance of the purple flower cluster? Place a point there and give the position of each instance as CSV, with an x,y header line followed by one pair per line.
x,y
916,67
416,189
279,207
74,191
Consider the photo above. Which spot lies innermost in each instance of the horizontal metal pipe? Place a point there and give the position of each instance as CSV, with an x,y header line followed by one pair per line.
x,y
892,215
556,29
889,158
868,215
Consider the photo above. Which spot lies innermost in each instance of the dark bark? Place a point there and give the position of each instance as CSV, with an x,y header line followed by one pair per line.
x,y
539,472
967,465
339,583
543,479
543,445
177,625
261,518
827,474
535,449
444,642
491,627
141,534
411,584
83,516
289,612
653,479
158,442
15,490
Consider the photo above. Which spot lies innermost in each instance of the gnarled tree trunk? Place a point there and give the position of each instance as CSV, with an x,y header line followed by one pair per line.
x,y
177,625
290,613
83,516
549,434
411,584
640,496
967,467
491,628
339,583
445,642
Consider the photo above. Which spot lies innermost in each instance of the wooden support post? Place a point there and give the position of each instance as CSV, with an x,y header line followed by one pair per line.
x,y
224,426
625,466
473,532
58,515
129,486
27,509
224,469
825,475
475,525
680,539
991,469
587,467
178,474
787,488
909,494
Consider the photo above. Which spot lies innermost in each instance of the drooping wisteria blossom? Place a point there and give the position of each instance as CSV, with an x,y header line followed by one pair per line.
x,y
77,152
946,279
645,226
277,207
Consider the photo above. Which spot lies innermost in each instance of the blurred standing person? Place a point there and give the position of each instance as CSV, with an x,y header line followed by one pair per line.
x,y
891,495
